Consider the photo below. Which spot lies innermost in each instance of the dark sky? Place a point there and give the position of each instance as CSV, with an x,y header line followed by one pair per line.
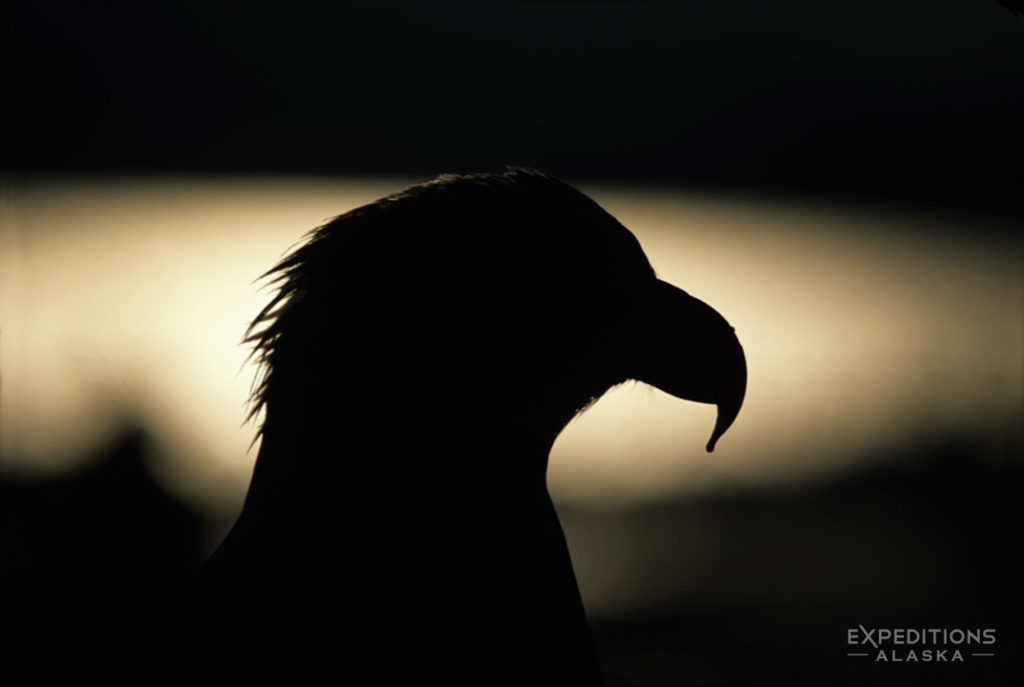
x,y
908,100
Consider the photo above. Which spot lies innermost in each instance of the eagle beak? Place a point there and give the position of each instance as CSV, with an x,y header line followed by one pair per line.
x,y
688,350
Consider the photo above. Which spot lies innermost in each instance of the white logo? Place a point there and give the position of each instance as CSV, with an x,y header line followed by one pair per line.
x,y
914,645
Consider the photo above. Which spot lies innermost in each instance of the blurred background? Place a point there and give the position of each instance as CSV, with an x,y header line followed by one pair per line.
x,y
836,179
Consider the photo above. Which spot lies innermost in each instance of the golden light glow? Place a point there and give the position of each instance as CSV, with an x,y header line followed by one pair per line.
x,y
863,332
128,298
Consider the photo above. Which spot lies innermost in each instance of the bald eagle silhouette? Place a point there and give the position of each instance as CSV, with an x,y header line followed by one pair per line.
x,y
420,356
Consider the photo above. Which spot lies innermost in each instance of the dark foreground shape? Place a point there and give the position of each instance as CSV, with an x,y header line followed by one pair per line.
x,y
420,357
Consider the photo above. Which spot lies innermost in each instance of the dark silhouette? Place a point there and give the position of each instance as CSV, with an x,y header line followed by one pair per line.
x,y
91,565
420,357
